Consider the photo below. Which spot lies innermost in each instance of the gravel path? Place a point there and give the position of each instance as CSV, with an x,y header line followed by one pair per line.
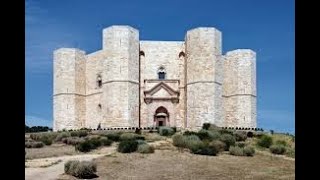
x,y
52,172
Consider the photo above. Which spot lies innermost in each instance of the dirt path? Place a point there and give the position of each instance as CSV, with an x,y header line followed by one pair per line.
x,y
52,172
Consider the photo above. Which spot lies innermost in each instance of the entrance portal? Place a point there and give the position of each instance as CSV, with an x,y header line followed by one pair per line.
x,y
161,116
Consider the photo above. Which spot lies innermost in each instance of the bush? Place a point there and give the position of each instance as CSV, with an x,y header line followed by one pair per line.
x,y
139,141
218,145
80,133
240,144
205,150
208,135
128,136
188,133
206,126
166,131
193,142
72,140
248,151
113,136
84,146
281,142
240,135
174,129
226,131
83,170
236,151
229,140
265,141
145,148
277,149
178,140
290,152
127,146
62,135
33,144
46,138
105,141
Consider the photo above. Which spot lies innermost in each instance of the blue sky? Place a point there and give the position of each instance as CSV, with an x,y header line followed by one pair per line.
x,y
266,26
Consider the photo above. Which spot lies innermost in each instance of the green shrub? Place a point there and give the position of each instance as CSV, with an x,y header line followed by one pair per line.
x,y
105,141
206,126
208,135
166,131
290,152
229,140
281,142
218,145
82,170
248,151
80,133
204,149
113,136
95,141
265,141
174,129
193,142
127,146
72,140
240,135
236,151
34,144
139,141
145,148
178,140
240,144
61,136
277,149
226,131
128,136
84,146
188,133
46,138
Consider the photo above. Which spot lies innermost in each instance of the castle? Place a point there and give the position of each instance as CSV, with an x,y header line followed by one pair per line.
x,y
136,83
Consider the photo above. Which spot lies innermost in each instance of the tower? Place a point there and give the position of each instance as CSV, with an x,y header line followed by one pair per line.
x,y
69,88
239,91
204,77
120,86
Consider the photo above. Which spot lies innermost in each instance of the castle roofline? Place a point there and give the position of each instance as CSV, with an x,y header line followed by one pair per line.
x,y
240,51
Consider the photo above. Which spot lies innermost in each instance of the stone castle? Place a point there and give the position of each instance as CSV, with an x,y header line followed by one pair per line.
x,y
136,83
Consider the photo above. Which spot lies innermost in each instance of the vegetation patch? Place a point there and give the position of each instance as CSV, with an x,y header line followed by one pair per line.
x,y
145,148
83,169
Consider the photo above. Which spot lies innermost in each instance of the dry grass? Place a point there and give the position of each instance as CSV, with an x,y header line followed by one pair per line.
x,y
168,164
54,150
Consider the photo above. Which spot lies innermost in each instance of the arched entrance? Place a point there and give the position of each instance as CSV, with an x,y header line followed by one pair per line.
x,y
161,116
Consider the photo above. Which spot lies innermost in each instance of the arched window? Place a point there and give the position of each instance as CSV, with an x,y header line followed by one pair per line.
x,y
161,73
99,81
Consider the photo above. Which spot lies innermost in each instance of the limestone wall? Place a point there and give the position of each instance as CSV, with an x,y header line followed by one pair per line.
x,y
239,88
120,77
164,54
204,77
69,88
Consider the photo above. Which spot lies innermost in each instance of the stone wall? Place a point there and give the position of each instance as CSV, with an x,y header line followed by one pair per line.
x,y
164,54
204,77
69,88
239,88
120,77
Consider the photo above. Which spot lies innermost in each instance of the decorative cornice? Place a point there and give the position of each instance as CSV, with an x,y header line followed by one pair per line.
x,y
239,95
77,94
195,82
133,82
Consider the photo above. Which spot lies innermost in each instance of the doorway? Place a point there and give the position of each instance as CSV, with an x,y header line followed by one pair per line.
x,y
161,116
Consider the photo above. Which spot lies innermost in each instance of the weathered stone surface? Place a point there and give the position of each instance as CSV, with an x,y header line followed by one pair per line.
x,y
119,85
